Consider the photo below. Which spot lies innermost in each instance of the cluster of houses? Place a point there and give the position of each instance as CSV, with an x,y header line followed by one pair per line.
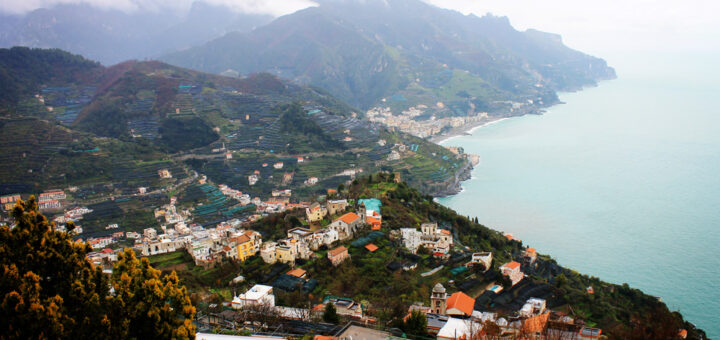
x,y
455,317
438,241
47,200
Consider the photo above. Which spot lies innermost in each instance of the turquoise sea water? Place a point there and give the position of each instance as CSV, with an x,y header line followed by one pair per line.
x,y
621,182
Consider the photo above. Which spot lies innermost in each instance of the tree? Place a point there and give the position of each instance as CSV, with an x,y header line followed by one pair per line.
x,y
48,289
416,324
330,315
147,305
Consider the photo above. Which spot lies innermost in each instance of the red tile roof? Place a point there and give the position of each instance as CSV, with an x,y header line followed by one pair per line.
x,y
461,302
297,272
445,231
512,265
349,218
337,251
371,247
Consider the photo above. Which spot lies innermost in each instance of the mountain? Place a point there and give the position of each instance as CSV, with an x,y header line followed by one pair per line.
x,y
112,36
405,51
67,121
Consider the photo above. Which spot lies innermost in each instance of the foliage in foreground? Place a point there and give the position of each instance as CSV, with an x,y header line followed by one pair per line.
x,y
49,290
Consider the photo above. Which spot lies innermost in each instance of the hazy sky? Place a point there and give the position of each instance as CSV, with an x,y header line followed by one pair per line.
x,y
596,27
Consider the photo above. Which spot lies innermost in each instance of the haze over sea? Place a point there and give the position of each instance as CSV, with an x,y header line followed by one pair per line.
x,y
621,182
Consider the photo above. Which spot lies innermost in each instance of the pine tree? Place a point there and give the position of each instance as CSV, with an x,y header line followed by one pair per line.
x,y
416,324
330,315
48,289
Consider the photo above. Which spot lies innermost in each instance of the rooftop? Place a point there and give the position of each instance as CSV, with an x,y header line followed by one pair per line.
x,y
462,302
257,292
337,251
349,217
371,247
297,272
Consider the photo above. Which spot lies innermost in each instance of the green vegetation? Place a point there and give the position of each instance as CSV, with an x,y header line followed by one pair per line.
x,y
49,289
186,133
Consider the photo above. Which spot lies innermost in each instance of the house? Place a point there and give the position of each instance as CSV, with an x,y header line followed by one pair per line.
x,y
268,252
533,306
284,254
311,181
346,225
460,305
315,212
164,173
336,206
288,177
374,223
52,195
411,239
529,256
257,295
298,272
338,255
484,259
150,233
50,204
245,247
345,306
460,329
252,179
512,270
278,165
9,201
132,235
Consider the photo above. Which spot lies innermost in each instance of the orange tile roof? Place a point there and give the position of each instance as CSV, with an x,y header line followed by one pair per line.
x,y
332,191
242,239
530,251
512,265
445,231
349,218
509,237
324,337
683,333
462,302
371,247
376,227
297,272
337,251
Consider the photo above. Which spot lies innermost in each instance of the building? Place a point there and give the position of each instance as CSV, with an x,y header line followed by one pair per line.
x,y
533,306
8,201
298,272
512,271
315,212
438,299
529,256
267,252
459,305
164,173
338,255
245,247
411,239
336,206
460,329
150,233
257,295
50,204
52,195
484,259
284,254
346,225
311,181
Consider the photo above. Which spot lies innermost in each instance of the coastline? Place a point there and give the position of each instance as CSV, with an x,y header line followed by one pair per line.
x,y
465,130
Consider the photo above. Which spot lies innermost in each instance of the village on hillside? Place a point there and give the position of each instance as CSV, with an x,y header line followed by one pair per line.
x,y
332,226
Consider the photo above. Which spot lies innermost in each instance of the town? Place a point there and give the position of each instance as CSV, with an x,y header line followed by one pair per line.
x,y
332,226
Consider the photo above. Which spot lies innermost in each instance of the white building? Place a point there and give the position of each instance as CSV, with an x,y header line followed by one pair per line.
x,y
257,295
411,238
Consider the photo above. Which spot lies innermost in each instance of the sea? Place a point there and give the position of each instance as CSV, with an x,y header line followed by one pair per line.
x,y
622,181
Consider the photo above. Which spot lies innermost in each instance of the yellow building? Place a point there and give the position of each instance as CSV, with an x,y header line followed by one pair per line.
x,y
284,254
315,212
245,247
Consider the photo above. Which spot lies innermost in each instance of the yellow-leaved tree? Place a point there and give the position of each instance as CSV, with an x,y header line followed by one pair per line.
x,y
49,290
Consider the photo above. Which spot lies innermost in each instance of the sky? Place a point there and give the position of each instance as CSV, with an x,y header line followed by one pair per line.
x,y
595,27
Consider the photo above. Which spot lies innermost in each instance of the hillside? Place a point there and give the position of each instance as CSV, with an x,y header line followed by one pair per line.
x,y
403,53
375,278
60,111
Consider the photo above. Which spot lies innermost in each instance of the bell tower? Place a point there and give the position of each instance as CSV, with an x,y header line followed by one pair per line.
x,y
438,299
